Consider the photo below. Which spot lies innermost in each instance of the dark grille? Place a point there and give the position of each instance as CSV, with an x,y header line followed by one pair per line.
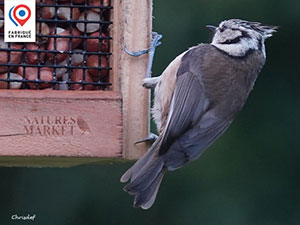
x,y
71,51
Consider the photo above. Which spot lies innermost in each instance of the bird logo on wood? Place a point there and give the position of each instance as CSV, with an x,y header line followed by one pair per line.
x,y
83,126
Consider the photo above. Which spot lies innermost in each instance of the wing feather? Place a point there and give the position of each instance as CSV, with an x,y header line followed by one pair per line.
x,y
192,124
187,107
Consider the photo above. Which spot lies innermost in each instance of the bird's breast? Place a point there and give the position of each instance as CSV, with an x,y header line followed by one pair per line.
x,y
164,92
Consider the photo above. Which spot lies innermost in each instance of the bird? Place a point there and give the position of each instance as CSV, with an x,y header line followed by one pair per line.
x,y
196,98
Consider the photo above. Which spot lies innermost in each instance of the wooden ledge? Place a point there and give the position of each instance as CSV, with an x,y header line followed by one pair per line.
x,y
52,161
54,94
60,124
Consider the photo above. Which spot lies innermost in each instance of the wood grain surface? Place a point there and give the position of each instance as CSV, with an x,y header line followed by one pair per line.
x,y
60,123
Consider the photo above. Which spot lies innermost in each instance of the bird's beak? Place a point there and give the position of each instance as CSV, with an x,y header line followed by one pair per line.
x,y
211,28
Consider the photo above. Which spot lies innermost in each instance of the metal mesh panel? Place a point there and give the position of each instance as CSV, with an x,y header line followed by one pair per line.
x,y
71,51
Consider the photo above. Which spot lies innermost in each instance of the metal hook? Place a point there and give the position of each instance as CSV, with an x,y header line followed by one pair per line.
x,y
151,51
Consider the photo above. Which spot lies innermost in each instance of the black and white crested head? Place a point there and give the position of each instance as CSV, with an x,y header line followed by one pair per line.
x,y
239,37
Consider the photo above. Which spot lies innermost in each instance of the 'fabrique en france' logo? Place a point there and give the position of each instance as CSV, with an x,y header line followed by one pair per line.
x,y
19,14
19,21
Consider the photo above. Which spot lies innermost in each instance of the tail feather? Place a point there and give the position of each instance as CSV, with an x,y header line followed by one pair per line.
x,y
146,199
145,177
133,172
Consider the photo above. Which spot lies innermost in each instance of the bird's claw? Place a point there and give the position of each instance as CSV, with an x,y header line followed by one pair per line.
x,y
150,139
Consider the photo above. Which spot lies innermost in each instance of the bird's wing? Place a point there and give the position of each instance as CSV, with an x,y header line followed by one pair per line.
x,y
187,106
192,124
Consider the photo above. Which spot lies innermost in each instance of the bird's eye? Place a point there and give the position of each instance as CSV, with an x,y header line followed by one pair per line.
x,y
221,29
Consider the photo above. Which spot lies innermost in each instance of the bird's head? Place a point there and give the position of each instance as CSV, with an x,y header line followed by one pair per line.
x,y
237,37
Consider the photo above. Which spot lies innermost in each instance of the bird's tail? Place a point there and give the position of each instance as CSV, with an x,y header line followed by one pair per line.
x,y
145,177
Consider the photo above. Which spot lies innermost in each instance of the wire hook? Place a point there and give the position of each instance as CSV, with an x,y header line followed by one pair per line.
x,y
151,51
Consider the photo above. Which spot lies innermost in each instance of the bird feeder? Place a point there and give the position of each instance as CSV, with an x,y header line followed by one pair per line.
x,y
75,96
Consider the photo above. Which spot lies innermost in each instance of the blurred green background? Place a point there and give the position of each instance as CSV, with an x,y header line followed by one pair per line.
x,y
249,176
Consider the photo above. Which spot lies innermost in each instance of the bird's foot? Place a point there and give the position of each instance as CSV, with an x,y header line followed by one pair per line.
x,y
150,83
150,139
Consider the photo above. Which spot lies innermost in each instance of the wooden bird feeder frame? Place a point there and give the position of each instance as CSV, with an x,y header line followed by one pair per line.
x,y
66,127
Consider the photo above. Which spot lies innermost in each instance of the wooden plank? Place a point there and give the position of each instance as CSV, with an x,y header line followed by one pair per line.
x,y
53,161
133,30
60,123
115,47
